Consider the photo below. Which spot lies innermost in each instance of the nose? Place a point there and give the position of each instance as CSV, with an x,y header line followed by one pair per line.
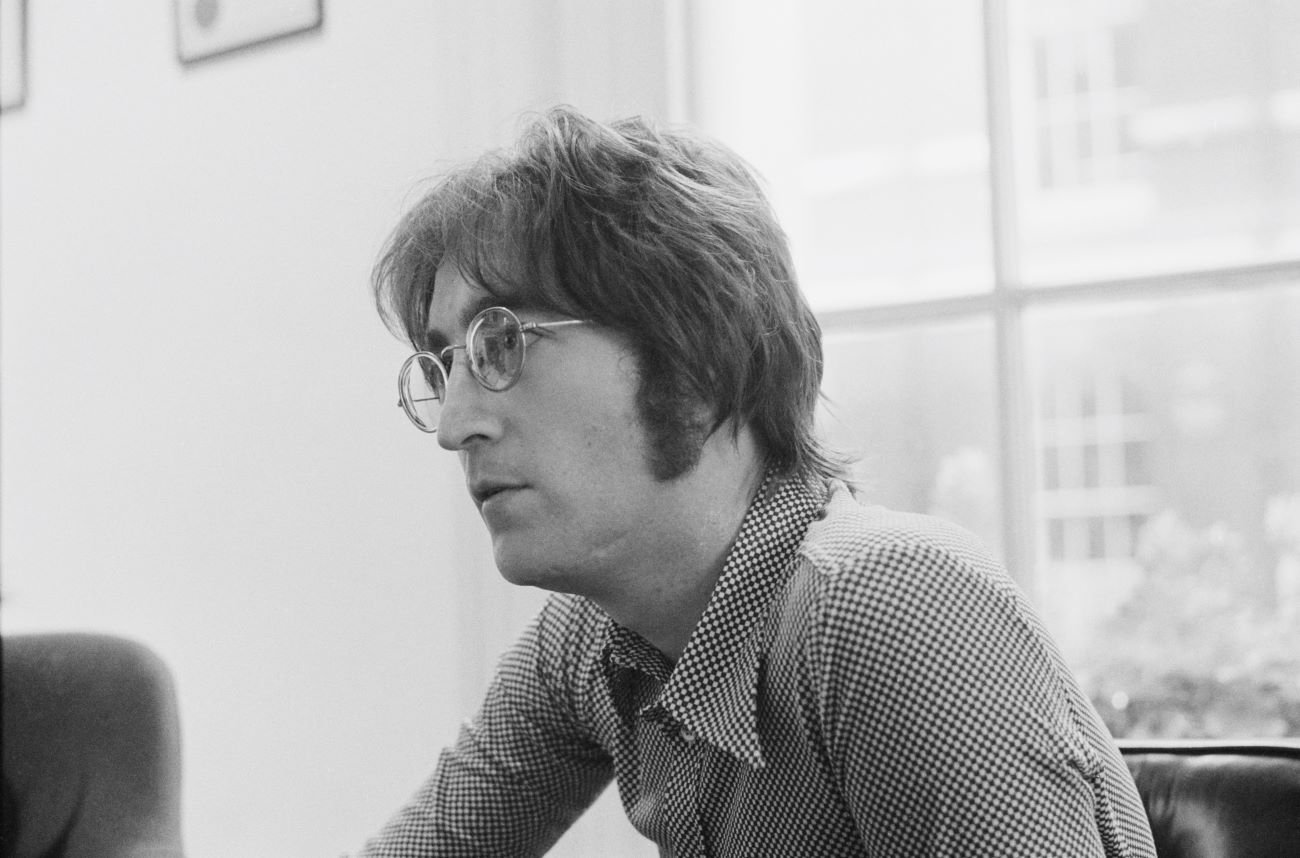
x,y
465,416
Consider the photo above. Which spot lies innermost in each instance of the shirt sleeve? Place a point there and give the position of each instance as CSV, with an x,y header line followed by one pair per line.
x,y
522,770
952,725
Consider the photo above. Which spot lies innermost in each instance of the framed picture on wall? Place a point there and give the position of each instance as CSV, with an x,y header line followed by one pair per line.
x,y
13,53
212,28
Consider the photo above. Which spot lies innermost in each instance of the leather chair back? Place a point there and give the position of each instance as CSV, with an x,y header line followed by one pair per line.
x,y
1218,799
91,749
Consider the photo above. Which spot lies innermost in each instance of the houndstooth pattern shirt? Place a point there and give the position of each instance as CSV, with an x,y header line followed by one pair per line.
x,y
862,683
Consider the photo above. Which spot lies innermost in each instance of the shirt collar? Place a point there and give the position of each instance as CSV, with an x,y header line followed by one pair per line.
x,y
713,690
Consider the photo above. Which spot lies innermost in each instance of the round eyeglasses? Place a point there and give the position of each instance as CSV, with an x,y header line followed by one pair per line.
x,y
496,346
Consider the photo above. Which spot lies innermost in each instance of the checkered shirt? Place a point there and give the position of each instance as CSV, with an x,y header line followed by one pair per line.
x,y
862,683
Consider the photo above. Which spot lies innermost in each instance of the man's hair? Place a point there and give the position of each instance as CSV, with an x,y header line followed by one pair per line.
x,y
660,235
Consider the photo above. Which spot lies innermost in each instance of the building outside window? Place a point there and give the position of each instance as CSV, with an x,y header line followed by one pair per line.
x,y
1086,99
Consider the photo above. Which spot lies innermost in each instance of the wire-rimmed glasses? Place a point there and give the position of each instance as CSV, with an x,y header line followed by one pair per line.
x,y
495,345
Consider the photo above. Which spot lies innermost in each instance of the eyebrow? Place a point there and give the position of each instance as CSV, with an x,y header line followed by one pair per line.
x,y
436,341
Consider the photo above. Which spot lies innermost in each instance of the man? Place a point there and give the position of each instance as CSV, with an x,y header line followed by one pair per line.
x,y
610,335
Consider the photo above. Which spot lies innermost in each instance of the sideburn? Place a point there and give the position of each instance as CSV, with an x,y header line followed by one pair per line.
x,y
677,425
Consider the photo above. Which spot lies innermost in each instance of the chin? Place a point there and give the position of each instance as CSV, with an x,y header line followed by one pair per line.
x,y
524,569
519,576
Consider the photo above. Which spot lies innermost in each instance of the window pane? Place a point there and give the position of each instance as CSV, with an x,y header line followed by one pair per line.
x,y
1091,466
916,406
1155,136
1181,605
867,119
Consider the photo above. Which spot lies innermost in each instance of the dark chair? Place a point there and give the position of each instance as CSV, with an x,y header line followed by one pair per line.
x,y
91,749
1209,799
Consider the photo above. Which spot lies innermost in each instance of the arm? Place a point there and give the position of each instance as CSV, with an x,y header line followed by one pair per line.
x,y
523,769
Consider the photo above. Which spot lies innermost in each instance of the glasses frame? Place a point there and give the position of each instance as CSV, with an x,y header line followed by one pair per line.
x,y
440,359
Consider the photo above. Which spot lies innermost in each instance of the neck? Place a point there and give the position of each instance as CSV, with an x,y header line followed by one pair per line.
x,y
664,597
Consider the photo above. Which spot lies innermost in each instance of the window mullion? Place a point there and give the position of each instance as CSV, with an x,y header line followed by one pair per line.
x,y
1015,437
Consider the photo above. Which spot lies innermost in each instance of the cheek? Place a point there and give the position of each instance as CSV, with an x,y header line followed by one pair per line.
x,y
605,416
592,416
611,451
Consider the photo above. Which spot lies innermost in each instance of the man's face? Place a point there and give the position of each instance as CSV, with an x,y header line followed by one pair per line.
x,y
557,464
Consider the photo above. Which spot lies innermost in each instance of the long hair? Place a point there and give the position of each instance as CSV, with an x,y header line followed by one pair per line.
x,y
661,235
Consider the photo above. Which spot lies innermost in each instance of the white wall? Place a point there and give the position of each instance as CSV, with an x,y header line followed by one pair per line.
x,y
199,439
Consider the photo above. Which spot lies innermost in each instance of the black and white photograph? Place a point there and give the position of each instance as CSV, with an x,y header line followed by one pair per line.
x,y
692,428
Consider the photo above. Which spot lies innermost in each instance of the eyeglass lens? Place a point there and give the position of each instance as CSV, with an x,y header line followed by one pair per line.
x,y
496,345
496,356
423,388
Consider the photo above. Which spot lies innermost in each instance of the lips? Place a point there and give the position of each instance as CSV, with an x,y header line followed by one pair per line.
x,y
483,490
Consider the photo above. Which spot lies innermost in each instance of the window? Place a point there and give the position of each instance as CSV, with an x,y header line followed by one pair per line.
x,y
1055,248
1151,135
883,187
914,406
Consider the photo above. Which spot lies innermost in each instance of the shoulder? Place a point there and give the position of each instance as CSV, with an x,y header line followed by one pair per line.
x,y
908,616
856,543
883,584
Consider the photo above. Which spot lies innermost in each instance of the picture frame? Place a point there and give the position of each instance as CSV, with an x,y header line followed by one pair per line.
x,y
206,29
13,54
